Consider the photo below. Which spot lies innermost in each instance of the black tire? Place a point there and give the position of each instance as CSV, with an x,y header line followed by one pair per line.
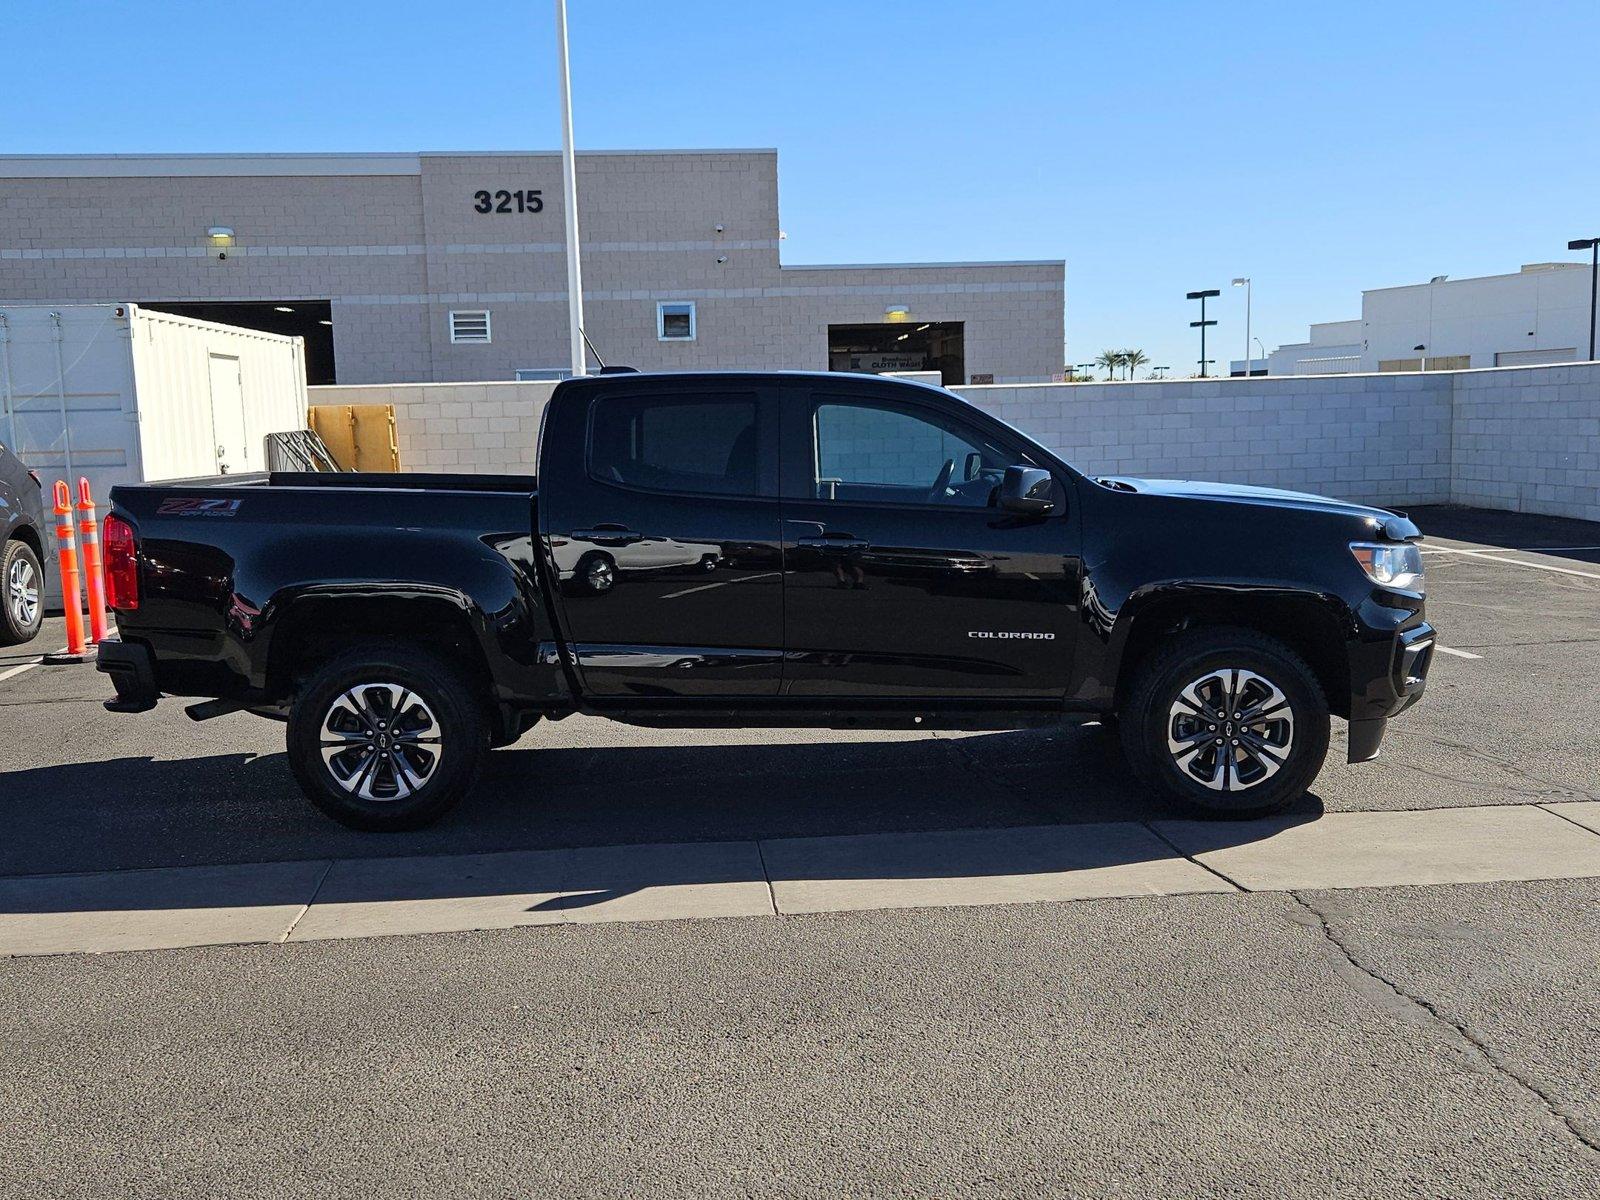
x,y
400,781
1242,783
20,621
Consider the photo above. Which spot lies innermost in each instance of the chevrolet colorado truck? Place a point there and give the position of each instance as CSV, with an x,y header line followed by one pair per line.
x,y
773,549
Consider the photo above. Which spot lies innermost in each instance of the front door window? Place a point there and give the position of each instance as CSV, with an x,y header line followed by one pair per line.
x,y
888,454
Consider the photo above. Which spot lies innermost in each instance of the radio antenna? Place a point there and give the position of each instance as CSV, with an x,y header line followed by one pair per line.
x,y
592,350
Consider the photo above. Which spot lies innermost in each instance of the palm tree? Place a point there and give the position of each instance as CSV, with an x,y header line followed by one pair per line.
x,y
1110,360
1133,359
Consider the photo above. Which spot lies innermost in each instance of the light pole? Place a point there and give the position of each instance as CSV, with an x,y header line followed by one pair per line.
x,y
1202,323
1263,350
1083,370
569,198
1244,282
1422,350
1593,246
1162,372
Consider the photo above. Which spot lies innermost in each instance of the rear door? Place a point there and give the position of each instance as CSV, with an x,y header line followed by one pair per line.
x,y
904,577
660,515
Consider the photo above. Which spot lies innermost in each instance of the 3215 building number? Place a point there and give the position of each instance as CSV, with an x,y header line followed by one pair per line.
x,y
503,201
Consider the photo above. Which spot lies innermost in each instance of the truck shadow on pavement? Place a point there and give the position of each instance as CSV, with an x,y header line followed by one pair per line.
x,y
577,828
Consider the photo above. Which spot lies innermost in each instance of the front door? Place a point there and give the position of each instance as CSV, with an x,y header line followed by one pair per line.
x,y
664,534
227,415
903,577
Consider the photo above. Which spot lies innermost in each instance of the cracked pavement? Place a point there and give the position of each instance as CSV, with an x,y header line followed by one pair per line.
x,y
1178,1046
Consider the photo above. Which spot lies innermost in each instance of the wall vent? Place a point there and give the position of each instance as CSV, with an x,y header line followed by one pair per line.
x,y
469,326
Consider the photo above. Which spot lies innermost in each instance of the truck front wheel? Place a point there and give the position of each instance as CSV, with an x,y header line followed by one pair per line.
x,y
386,738
1230,722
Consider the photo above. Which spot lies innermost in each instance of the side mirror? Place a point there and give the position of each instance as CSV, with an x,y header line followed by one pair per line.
x,y
1027,490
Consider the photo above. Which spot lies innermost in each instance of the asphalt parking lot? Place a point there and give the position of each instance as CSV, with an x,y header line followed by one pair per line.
x,y
1293,1038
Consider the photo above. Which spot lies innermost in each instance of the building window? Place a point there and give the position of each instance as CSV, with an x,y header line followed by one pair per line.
x,y
469,326
675,321
538,374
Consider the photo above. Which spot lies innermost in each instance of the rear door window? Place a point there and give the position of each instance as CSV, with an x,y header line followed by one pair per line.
x,y
705,445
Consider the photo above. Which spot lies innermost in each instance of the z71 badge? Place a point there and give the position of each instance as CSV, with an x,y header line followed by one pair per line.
x,y
198,506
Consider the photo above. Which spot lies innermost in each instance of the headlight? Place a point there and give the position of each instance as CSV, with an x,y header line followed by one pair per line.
x,y
1391,564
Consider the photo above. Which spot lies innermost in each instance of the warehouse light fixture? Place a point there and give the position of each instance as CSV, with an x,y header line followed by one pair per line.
x,y
897,312
902,337
920,328
281,308
220,236
328,323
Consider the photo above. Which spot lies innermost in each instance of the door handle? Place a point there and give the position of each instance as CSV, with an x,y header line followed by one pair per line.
x,y
607,535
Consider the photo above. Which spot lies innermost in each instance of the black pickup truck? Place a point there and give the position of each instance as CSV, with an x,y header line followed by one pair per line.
x,y
797,549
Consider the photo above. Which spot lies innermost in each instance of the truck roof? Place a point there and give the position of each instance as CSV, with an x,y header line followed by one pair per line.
x,y
784,378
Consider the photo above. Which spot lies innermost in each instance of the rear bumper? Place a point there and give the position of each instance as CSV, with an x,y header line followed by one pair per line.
x,y
133,674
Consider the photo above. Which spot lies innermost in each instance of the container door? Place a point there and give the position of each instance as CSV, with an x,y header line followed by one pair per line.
x,y
227,415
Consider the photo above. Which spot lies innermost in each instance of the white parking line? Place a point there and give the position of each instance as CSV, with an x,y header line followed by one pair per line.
x,y
15,671
1517,562
1453,650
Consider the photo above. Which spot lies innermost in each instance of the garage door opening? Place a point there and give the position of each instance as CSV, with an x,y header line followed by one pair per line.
x,y
900,346
310,319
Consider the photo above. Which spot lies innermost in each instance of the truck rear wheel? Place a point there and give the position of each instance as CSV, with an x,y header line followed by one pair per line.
x,y
386,738
1230,722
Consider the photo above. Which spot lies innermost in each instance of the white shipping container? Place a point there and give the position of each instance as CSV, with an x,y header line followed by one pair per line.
x,y
120,394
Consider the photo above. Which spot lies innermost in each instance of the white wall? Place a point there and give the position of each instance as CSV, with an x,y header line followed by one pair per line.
x,y
1522,438
1375,438
1528,439
477,427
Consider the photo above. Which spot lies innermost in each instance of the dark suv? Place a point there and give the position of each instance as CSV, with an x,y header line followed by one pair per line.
x,y
21,550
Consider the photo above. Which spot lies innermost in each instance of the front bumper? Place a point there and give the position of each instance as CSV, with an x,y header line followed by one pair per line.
x,y
1396,676
133,674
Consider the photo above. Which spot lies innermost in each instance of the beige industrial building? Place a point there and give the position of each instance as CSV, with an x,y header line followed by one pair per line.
x,y
450,267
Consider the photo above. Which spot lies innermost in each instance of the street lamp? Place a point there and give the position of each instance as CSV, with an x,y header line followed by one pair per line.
x,y
1159,372
1202,323
1083,369
1593,246
1244,282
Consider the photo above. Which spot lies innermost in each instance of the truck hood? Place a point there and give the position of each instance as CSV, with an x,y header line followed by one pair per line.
x,y
1395,525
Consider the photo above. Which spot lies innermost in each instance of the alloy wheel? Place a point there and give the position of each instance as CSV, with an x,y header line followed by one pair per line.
x,y
1230,730
22,592
381,742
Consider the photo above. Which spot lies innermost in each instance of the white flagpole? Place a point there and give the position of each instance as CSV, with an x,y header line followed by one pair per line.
x,y
569,199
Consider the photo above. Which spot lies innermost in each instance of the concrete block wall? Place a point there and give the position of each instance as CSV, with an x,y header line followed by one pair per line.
x,y
1383,439
481,428
1528,439
1519,438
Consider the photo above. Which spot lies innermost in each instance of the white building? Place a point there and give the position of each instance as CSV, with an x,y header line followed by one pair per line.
x,y
1538,315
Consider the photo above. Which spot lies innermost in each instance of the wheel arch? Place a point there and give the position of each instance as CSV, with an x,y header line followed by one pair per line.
x,y
313,627
1310,623
31,538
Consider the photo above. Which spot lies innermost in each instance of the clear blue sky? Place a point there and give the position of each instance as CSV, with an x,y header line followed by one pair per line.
x,y
1157,147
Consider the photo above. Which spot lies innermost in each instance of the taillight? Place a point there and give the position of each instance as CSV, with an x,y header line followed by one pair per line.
x,y
121,564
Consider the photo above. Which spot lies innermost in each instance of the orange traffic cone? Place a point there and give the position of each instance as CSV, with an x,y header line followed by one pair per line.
x,y
71,599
